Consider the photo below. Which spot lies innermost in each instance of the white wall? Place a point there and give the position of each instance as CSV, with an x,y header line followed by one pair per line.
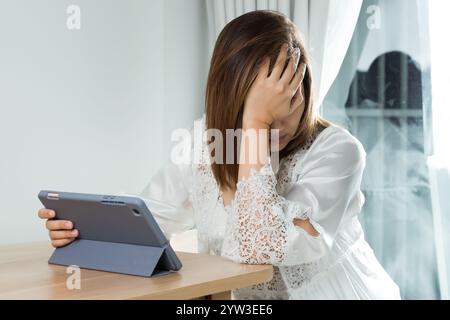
x,y
186,64
91,110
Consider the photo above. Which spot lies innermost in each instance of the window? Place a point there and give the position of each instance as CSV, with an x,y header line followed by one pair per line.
x,y
383,96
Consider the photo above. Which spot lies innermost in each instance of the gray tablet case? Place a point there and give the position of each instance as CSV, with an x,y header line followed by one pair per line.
x,y
116,234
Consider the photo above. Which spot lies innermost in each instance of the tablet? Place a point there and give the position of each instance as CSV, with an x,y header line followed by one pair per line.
x,y
116,233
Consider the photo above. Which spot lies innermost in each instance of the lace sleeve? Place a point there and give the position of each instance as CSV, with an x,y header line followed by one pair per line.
x,y
260,221
260,228
261,232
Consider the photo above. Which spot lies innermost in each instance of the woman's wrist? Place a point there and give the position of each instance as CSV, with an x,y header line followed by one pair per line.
x,y
253,122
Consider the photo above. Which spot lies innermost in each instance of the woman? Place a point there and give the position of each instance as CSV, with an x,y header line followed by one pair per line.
x,y
300,216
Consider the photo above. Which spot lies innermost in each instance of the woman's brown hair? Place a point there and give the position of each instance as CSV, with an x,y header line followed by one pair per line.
x,y
239,51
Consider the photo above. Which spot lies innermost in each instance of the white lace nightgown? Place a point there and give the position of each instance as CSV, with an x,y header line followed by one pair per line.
x,y
320,181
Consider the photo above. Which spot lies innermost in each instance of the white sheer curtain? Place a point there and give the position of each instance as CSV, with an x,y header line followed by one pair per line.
x,y
327,26
387,105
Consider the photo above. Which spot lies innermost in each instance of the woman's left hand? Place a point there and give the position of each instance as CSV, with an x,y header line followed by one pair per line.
x,y
270,97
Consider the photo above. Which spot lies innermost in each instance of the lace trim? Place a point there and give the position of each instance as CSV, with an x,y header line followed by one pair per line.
x,y
288,164
275,289
257,227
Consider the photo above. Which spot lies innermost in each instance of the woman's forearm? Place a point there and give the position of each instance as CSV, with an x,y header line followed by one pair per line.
x,y
255,146
261,148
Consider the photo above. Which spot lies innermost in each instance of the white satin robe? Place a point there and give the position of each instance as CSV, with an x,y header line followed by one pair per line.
x,y
320,182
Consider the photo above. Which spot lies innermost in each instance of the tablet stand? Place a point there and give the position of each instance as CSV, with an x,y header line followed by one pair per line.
x,y
124,258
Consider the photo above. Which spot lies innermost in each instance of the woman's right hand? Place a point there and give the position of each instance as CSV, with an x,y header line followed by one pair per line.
x,y
61,232
270,96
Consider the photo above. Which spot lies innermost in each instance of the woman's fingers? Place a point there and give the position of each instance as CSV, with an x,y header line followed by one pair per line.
x,y
264,69
60,231
279,65
61,242
63,234
295,84
59,225
46,213
291,68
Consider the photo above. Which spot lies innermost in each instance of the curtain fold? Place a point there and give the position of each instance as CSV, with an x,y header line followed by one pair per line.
x,y
327,27
331,26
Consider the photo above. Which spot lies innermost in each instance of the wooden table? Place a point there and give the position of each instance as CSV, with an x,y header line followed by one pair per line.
x,y
25,274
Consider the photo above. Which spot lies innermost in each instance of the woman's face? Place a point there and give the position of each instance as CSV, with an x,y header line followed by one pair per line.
x,y
288,125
